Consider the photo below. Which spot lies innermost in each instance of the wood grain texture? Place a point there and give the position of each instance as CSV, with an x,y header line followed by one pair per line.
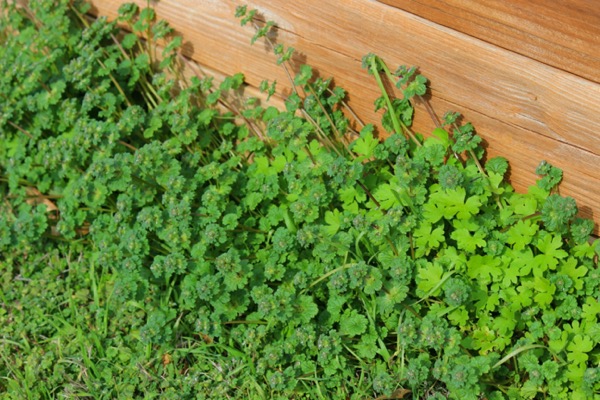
x,y
524,109
564,34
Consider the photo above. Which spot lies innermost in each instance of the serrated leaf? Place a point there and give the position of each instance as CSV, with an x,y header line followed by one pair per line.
x,y
450,203
498,165
551,252
333,220
578,349
523,204
352,323
365,145
545,291
367,347
303,76
521,234
306,308
591,309
467,241
521,263
571,268
392,195
559,343
459,316
351,195
484,268
429,276
427,239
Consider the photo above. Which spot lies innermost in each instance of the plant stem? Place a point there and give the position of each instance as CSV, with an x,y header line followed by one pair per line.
x,y
399,127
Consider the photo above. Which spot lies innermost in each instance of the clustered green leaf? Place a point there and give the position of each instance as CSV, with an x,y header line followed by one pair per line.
x,y
265,253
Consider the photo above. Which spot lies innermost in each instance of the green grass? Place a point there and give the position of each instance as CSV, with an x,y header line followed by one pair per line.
x,y
63,337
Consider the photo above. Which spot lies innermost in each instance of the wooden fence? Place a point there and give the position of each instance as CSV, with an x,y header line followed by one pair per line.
x,y
525,72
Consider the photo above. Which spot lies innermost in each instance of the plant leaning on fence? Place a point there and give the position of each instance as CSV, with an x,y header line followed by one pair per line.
x,y
288,253
483,288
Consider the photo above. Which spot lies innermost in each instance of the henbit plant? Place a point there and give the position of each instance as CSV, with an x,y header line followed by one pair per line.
x,y
285,256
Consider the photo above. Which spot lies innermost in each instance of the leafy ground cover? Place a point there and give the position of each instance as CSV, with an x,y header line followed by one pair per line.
x,y
156,241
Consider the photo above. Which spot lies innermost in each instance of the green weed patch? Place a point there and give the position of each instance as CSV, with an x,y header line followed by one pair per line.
x,y
158,242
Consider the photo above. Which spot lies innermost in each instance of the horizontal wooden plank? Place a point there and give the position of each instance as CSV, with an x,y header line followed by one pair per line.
x,y
525,110
564,34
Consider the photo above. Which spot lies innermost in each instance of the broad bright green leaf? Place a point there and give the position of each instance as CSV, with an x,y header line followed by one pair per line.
x,y
523,204
352,323
429,276
373,281
433,212
483,339
550,247
543,285
262,165
450,203
505,323
278,164
495,180
524,296
471,207
578,349
352,194
443,136
591,309
389,196
334,306
518,263
484,268
559,343
386,196
333,219
584,250
306,308
365,145
545,291
459,316
520,234
571,268
492,302
367,347
467,241
427,239
451,200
